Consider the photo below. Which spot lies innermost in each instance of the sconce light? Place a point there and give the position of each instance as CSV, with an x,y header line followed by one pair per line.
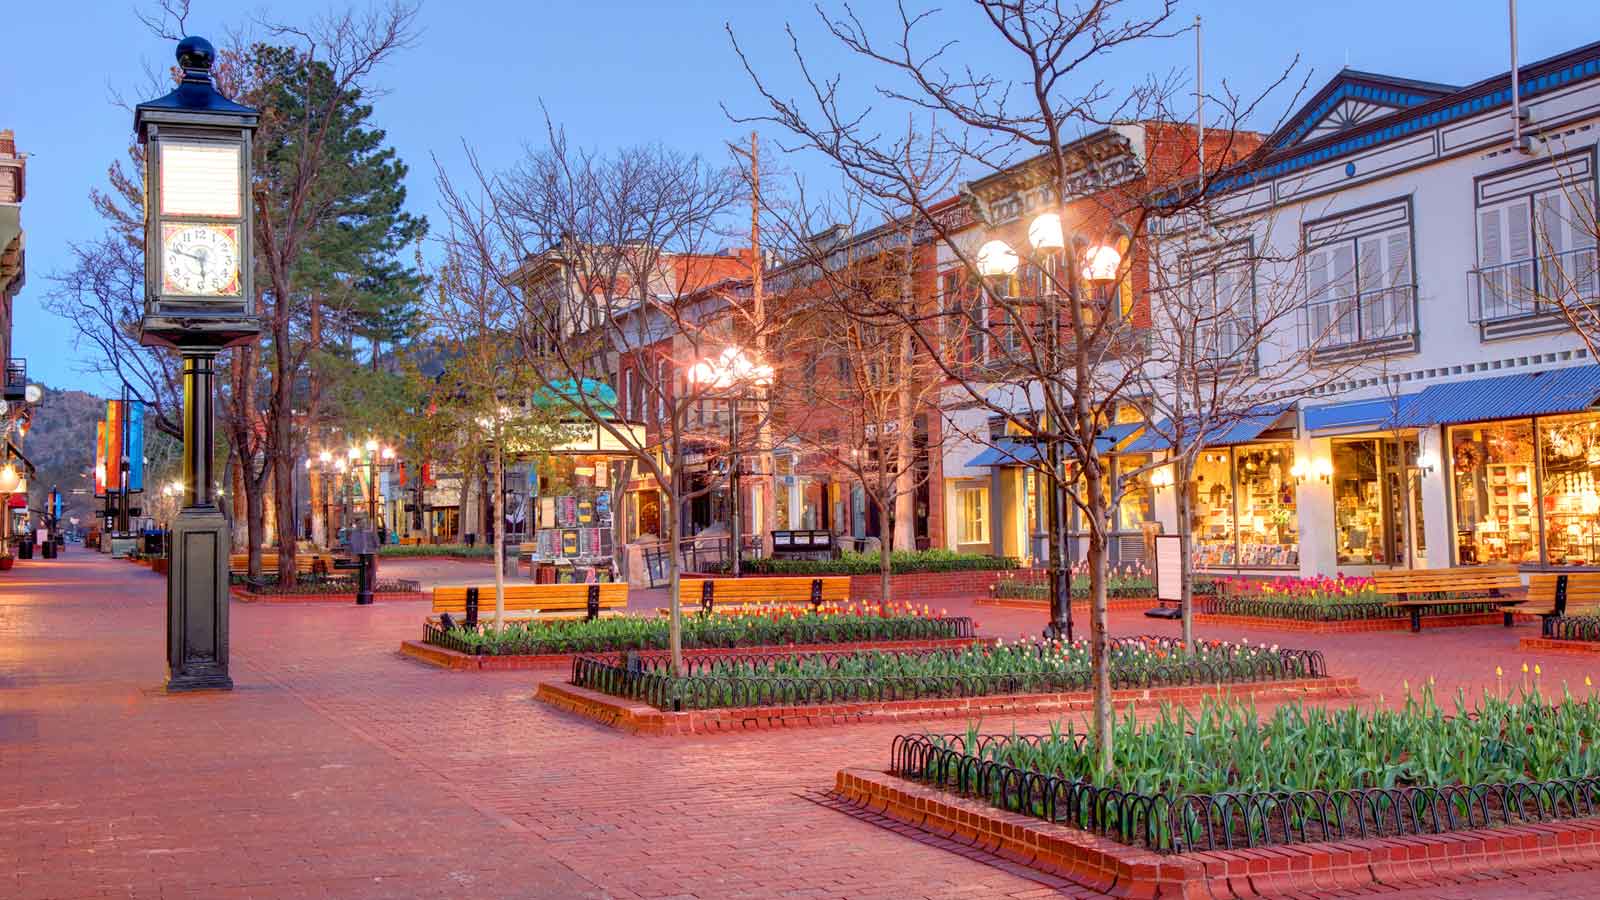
x,y
1161,478
1427,461
1299,471
1323,469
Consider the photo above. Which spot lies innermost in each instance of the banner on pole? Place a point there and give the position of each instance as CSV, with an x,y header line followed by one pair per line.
x,y
135,414
100,459
114,451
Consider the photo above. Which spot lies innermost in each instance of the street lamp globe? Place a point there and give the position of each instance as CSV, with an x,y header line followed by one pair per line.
x,y
388,453
339,466
10,480
1101,264
1044,233
354,453
996,258
372,445
325,457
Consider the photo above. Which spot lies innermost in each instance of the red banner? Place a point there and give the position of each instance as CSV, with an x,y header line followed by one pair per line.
x,y
99,459
114,445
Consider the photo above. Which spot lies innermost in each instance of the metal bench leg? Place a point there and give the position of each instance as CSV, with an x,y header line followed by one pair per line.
x,y
1509,620
1416,618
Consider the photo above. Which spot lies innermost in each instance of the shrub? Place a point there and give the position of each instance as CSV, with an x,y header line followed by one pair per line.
x,y
901,562
459,551
790,625
1123,581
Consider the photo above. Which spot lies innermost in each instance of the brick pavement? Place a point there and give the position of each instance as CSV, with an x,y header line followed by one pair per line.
x,y
340,769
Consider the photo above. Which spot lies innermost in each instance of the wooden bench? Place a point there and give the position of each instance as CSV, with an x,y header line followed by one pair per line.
x,y
741,594
304,563
1551,596
1463,584
547,601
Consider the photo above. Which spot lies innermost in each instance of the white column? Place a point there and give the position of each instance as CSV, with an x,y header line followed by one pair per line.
x,y
1435,508
1314,505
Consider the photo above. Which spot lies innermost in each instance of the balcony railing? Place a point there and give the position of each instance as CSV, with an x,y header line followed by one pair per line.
x,y
16,386
1535,287
1364,318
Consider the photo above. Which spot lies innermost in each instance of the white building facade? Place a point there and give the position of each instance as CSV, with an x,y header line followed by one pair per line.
x,y
1454,416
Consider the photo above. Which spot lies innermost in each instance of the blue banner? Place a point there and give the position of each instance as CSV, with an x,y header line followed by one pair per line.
x,y
135,445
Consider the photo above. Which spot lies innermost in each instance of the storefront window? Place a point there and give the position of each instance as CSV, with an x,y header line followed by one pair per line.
x,y
1211,510
1569,454
973,506
1358,504
1493,478
1134,509
1268,527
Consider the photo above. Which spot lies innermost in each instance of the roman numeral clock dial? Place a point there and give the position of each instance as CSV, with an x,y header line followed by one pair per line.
x,y
200,260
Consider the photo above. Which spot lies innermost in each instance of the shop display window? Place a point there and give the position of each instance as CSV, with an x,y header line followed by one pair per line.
x,y
1359,534
973,504
1494,483
1569,457
1268,525
1134,507
1211,523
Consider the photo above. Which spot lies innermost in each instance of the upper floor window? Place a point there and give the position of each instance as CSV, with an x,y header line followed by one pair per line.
x,y
964,310
1360,286
1536,239
1219,305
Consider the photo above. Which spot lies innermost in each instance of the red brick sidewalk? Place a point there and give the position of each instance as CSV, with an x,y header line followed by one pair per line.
x,y
340,769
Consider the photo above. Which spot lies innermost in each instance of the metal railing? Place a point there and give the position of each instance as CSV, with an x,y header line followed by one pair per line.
x,y
16,386
1311,611
1361,318
1192,823
734,682
1531,287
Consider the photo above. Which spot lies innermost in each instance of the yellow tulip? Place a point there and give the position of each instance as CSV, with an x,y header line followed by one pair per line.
x,y
1498,673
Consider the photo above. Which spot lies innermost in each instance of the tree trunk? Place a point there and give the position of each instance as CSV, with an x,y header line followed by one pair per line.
x,y
499,543
461,507
319,527
255,523
905,448
1185,471
669,533
886,555
1099,618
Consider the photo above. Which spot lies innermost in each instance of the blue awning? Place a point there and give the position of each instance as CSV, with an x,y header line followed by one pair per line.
x,y
1544,393
1356,413
1243,431
1017,452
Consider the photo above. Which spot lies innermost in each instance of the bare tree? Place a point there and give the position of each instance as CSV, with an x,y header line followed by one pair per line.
x,y
1064,365
611,253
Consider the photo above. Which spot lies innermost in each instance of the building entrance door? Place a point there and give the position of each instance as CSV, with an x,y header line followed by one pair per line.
x,y
1403,504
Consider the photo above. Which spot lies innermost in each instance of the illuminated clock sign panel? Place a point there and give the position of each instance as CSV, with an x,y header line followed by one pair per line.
x,y
200,179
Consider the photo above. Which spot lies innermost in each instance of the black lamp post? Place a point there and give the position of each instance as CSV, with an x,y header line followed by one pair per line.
x,y
373,457
198,299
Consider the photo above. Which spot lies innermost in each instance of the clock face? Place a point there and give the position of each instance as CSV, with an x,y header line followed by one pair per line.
x,y
200,260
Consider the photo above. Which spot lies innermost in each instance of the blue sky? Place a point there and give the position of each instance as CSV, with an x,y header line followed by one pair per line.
x,y
616,73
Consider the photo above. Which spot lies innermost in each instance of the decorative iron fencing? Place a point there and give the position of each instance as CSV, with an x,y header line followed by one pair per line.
x,y
650,678
1189,823
1263,608
1572,628
701,633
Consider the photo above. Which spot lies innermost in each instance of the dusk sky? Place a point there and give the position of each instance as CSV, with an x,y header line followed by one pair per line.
x,y
617,73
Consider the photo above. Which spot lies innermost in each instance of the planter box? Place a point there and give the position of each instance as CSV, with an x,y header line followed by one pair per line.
x,y
636,717
1346,626
445,658
1316,870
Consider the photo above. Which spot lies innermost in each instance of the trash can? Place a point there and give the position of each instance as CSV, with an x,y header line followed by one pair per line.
x,y
25,549
48,549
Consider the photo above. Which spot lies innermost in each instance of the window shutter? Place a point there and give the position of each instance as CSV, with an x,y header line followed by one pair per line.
x,y
1553,220
1519,245
1370,273
1317,276
1489,253
1399,258
1344,270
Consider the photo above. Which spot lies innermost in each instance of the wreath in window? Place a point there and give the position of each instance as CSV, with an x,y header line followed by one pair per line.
x,y
1467,457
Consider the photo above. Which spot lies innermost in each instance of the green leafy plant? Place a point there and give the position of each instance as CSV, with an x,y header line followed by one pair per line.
x,y
901,562
459,551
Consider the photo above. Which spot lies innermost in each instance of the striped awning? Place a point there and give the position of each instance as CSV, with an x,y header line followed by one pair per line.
x,y
1550,392
1015,452
1243,431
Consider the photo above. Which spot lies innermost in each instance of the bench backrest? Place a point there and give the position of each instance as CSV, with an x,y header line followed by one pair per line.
x,y
1460,579
523,597
1582,591
304,562
785,589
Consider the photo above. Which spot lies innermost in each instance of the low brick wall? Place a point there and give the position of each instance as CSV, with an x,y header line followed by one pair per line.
x,y
1115,603
1320,870
1555,645
350,598
637,717
1348,626
920,587
467,662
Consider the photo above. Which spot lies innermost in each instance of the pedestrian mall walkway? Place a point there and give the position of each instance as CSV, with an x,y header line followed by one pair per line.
x,y
339,769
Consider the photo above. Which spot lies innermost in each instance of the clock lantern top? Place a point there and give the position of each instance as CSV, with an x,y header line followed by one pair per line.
x,y
198,223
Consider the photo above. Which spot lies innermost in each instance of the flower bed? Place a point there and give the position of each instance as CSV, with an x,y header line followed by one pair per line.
x,y
1323,599
747,629
1033,667
313,586
1131,580
454,551
901,562
1222,778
